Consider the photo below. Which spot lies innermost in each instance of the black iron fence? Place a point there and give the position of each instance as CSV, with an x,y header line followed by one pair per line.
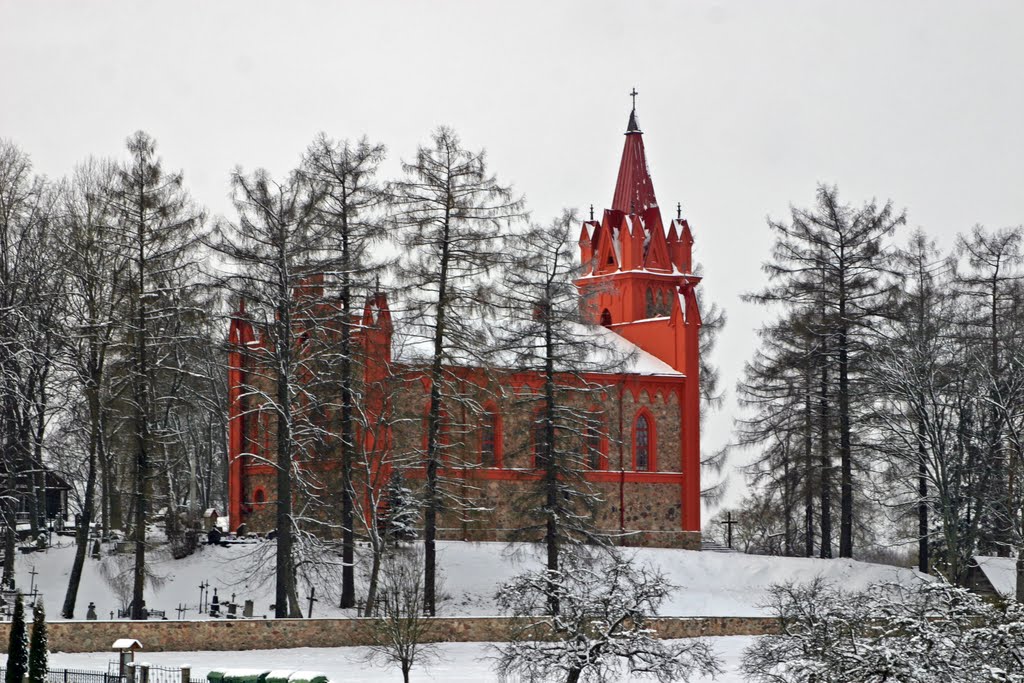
x,y
77,676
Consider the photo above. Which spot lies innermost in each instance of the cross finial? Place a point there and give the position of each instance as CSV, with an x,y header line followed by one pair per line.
x,y
591,212
633,95
679,210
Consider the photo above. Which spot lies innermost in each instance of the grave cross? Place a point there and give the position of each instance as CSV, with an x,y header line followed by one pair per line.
x,y
203,586
32,583
312,599
181,611
729,522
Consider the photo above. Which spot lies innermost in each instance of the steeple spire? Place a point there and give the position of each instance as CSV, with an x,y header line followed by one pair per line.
x,y
634,191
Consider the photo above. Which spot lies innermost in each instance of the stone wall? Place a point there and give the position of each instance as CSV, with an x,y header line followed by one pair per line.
x,y
258,634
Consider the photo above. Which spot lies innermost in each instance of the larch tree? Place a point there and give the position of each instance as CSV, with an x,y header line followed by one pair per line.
x,y
833,258
451,212
778,388
350,210
157,224
542,328
991,280
275,264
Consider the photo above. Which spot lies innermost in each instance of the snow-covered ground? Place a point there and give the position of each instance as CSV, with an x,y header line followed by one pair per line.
x,y
709,584
460,662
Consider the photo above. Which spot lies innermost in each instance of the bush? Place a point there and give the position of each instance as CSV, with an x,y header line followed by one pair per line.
x,y
931,632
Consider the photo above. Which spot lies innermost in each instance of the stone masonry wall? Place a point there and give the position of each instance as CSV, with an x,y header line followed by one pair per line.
x,y
258,634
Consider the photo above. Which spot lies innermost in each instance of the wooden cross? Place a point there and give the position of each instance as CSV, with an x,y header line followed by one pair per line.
x,y
729,522
633,95
312,592
181,611
32,583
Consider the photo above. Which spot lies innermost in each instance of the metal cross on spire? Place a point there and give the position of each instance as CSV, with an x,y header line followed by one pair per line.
x,y
633,95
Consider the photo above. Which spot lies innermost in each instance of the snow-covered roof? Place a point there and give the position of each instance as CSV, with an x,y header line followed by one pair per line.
x,y
604,351
1001,572
126,644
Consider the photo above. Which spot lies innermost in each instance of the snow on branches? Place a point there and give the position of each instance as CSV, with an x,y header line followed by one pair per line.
x,y
601,625
929,633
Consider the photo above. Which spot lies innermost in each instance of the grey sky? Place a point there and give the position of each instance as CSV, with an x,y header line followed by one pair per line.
x,y
745,105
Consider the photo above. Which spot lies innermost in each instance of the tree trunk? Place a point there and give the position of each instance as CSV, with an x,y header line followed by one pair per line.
x,y
371,588
1020,575
845,447
550,466
826,468
433,431
85,519
922,503
141,396
348,436
808,465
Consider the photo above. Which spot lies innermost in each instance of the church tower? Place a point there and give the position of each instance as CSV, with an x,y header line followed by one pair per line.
x,y
638,281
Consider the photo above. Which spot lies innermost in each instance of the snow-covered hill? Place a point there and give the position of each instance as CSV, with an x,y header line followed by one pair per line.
x,y
709,584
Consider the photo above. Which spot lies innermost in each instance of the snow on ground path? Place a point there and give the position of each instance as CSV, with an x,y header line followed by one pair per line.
x,y
460,662
710,584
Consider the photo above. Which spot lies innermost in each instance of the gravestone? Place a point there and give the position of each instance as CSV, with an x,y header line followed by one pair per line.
x,y
247,609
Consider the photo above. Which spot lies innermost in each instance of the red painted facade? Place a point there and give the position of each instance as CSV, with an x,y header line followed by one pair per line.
x,y
638,282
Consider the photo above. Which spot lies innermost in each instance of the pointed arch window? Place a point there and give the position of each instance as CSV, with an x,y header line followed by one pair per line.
x,y
539,437
606,317
594,444
490,439
643,442
649,306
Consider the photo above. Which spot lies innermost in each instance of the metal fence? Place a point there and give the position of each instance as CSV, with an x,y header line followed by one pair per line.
x,y
78,676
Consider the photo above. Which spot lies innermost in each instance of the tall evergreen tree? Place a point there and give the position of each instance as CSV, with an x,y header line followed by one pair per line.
x,y
542,331
991,281
156,223
451,211
39,646
17,644
275,249
833,258
349,203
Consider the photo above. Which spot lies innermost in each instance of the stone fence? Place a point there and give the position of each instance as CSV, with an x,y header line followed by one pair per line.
x,y
262,634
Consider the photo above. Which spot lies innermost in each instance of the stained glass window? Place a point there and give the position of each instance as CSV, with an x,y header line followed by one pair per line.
x,y
592,443
643,443
538,441
487,441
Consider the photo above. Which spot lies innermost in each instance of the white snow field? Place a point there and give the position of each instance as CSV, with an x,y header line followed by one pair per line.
x,y
459,663
708,584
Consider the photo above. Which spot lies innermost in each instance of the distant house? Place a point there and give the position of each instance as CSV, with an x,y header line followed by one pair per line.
x,y
993,576
27,483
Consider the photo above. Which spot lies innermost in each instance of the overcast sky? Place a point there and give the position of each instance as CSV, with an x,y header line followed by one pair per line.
x,y
745,106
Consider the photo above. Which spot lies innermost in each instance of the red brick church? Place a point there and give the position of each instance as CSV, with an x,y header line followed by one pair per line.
x,y
640,273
